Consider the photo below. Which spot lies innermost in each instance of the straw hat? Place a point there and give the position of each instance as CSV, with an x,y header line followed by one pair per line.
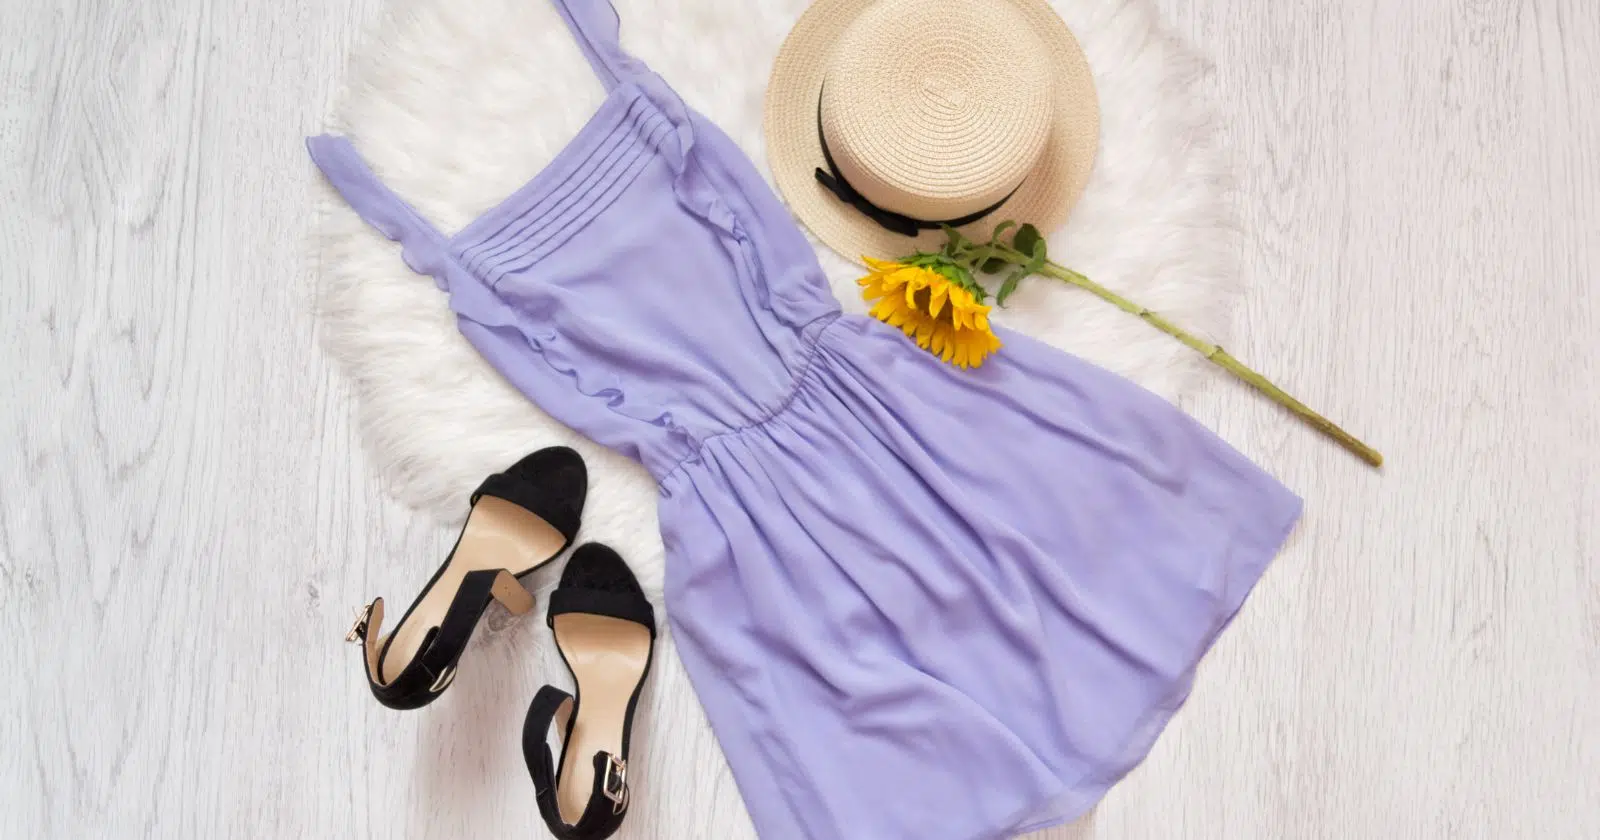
x,y
883,114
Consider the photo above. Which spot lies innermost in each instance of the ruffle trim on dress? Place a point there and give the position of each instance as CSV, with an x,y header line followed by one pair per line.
x,y
698,193
613,396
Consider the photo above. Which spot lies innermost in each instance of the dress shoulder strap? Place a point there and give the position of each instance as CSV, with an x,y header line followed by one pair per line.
x,y
597,27
422,245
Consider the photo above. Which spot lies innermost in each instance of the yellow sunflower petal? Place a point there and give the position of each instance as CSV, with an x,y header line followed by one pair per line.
x,y
937,299
907,275
948,321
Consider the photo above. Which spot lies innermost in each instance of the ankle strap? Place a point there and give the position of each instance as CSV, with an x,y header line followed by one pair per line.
x,y
433,668
608,801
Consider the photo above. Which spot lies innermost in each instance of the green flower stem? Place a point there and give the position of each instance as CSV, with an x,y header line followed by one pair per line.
x,y
1211,352
961,259
975,255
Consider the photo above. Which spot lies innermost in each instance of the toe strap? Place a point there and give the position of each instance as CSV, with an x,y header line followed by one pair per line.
x,y
608,801
556,500
624,605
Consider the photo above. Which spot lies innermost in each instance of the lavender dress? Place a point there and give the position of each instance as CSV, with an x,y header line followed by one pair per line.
x,y
916,602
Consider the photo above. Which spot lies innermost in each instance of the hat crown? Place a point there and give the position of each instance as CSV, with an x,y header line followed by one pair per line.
x,y
937,109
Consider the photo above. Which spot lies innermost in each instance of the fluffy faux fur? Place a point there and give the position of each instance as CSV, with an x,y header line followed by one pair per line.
x,y
455,106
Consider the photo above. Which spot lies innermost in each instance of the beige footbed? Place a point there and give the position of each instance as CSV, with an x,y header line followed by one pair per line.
x,y
498,535
607,656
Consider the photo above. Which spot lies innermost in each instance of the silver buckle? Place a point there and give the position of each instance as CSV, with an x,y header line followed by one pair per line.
x,y
615,786
358,629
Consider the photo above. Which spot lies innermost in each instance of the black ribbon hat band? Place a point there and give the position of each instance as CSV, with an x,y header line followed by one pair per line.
x,y
835,182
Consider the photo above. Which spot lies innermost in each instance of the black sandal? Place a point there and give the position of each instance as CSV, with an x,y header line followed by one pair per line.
x,y
521,519
605,630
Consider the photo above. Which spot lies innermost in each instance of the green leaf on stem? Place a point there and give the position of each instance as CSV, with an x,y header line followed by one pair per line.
x,y
1027,235
953,241
994,264
1009,286
1038,259
1027,240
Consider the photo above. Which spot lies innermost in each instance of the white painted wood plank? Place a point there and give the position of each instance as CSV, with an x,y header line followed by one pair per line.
x,y
1419,184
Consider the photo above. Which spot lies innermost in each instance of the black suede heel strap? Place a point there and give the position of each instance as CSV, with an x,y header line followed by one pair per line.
x,y
608,801
555,507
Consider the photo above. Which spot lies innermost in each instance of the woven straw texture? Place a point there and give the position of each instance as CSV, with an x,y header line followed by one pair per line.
x,y
931,108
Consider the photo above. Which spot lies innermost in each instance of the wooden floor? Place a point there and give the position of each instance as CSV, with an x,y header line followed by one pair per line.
x,y
185,518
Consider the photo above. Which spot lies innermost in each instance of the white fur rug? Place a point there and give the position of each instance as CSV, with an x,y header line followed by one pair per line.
x,y
456,106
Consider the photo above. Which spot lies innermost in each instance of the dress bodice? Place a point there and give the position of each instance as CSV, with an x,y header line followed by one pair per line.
x,y
652,271
644,261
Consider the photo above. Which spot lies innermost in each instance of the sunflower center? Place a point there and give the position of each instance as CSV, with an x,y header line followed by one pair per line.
x,y
924,304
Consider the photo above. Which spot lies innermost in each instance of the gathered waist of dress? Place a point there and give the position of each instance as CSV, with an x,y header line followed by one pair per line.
x,y
813,335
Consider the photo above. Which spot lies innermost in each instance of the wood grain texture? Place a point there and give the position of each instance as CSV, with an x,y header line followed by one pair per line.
x,y
185,520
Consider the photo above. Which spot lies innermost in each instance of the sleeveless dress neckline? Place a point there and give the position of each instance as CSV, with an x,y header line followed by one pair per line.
x,y
916,602
569,157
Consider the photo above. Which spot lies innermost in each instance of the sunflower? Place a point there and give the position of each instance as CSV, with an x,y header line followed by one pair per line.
x,y
933,307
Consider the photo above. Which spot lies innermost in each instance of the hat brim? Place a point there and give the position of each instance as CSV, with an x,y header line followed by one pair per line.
x,y
794,151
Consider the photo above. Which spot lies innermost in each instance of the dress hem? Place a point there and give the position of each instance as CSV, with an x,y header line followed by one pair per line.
x,y
1088,792
1260,543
